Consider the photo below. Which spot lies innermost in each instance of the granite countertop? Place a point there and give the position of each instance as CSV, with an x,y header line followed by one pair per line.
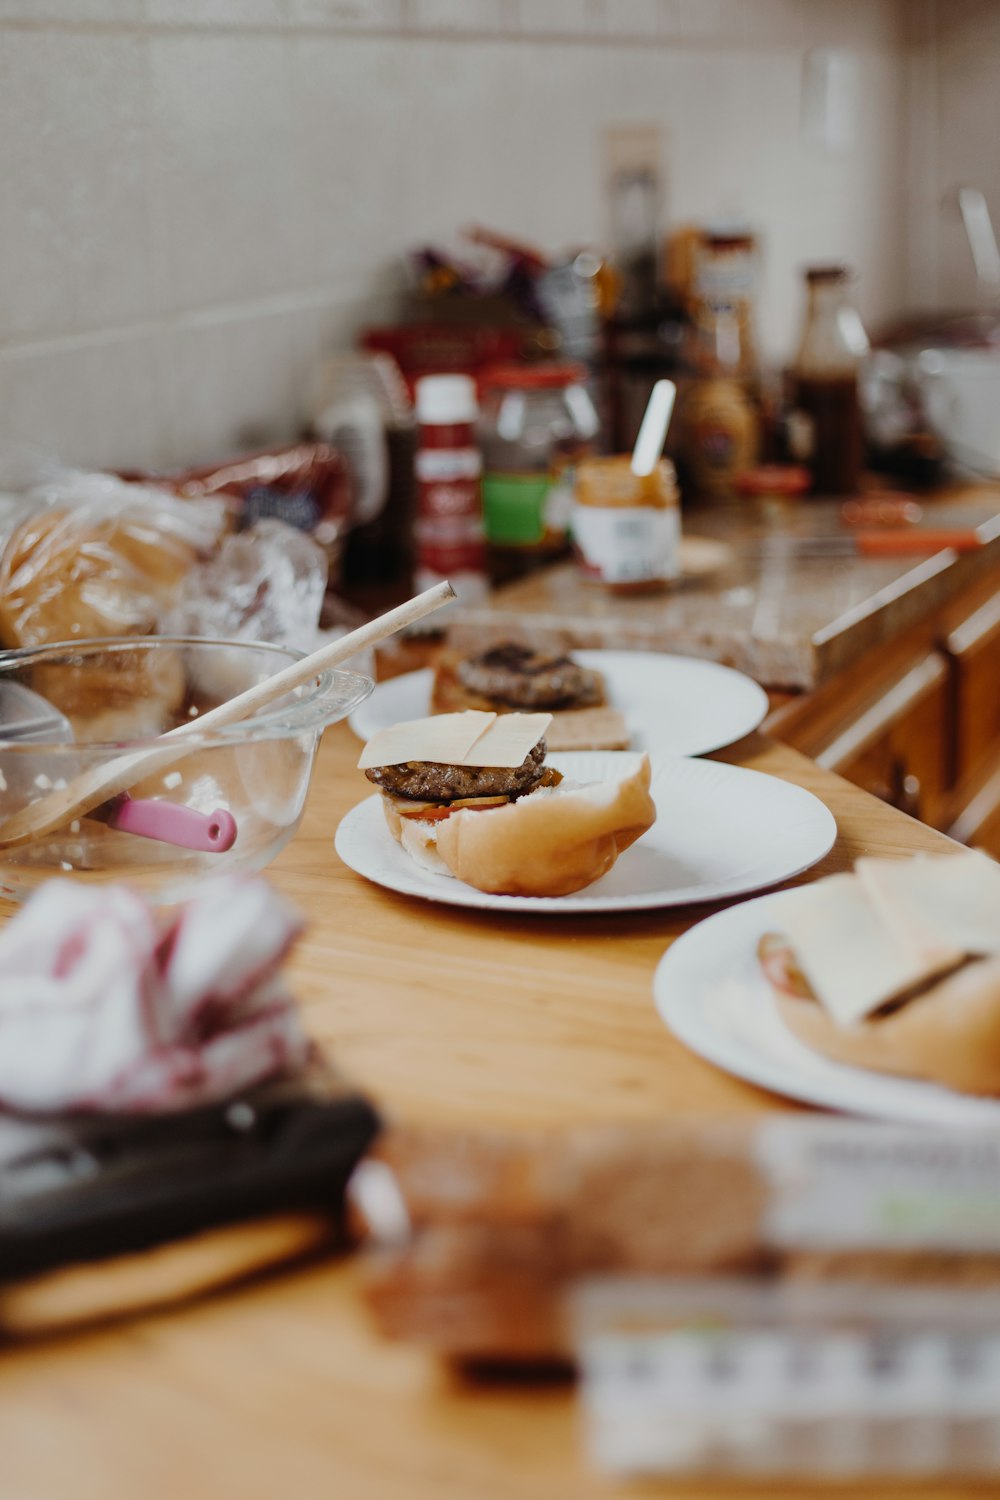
x,y
792,605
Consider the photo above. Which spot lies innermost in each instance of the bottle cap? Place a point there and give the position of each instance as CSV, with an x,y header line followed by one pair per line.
x,y
814,274
446,399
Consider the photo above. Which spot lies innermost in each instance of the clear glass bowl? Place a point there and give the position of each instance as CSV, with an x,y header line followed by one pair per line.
x,y
104,697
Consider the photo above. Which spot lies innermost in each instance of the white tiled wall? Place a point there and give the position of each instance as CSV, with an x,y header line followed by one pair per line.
x,y
954,130
198,196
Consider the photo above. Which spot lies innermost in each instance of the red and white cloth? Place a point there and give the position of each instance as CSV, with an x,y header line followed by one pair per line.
x,y
101,1008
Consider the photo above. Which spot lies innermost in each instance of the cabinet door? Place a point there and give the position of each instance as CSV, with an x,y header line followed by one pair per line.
x,y
898,746
978,822
974,648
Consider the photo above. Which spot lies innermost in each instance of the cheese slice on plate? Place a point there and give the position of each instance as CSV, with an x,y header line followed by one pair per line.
x,y
851,958
940,907
464,739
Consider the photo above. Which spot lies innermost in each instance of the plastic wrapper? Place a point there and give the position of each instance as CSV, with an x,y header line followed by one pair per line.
x,y
88,555
308,486
93,555
265,584
480,1240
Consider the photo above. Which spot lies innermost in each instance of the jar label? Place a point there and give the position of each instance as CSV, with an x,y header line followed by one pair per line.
x,y
449,498
448,463
527,510
628,544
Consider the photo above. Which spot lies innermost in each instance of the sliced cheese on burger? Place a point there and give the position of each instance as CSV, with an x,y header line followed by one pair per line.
x,y
443,740
471,738
941,907
508,740
852,960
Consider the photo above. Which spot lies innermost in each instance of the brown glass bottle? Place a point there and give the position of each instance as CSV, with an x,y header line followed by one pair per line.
x,y
830,405
825,425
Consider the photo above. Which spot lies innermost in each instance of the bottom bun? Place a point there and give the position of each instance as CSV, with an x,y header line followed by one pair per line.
x,y
549,843
948,1035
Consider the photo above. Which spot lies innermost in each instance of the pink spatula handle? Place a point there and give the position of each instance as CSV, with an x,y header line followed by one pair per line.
x,y
170,823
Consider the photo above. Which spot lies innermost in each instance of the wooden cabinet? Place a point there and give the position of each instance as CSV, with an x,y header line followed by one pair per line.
x,y
917,722
885,728
972,643
899,746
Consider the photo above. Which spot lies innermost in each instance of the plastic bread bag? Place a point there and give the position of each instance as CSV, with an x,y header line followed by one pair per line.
x,y
309,486
86,555
264,584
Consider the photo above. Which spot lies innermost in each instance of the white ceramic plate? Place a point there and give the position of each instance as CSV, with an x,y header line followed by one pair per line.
x,y
720,831
711,993
673,705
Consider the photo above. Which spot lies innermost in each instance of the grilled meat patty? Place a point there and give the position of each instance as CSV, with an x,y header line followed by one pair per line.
x,y
517,677
428,782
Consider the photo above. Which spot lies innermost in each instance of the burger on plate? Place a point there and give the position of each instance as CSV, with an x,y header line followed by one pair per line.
x,y
470,795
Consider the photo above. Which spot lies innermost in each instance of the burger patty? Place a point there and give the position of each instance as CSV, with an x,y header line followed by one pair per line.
x,y
428,782
518,677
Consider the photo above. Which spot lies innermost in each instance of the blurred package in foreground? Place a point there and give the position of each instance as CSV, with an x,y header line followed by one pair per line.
x,y
833,1381
744,1297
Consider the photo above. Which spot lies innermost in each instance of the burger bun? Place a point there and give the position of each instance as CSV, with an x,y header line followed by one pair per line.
x,y
551,842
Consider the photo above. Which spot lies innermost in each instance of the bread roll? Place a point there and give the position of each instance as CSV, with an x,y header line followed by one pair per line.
x,y
62,579
950,1034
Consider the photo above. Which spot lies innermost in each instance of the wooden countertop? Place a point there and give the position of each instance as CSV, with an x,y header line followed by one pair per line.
x,y
791,608
443,1015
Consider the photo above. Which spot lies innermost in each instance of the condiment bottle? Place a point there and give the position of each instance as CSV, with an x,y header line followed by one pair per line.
x,y
724,305
719,435
537,422
449,527
718,420
824,427
626,527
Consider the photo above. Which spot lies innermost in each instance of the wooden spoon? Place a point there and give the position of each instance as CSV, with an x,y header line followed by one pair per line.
x,y
93,787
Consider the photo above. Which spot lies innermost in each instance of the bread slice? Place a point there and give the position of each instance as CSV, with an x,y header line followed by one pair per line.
x,y
949,1035
588,729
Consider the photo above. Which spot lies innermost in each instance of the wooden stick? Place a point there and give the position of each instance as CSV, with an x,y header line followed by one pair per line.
x,y
96,786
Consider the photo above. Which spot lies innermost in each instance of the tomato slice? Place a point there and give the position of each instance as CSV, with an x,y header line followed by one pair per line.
x,y
428,814
445,810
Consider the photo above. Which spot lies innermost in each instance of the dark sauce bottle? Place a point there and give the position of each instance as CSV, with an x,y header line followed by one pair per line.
x,y
825,426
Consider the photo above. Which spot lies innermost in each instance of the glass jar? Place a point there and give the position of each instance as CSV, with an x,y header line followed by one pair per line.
x,y
824,428
537,422
627,527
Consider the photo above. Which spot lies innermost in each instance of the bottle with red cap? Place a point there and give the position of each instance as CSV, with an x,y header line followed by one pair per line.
x,y
449,526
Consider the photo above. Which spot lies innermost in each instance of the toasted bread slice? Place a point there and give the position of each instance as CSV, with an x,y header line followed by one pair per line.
x,y
588,729
597,728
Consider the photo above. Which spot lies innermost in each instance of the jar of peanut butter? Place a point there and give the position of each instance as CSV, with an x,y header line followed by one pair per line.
x,y
626,527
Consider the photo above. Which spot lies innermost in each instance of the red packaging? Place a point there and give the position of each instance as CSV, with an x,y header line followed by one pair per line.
x,y
307,486
422,349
